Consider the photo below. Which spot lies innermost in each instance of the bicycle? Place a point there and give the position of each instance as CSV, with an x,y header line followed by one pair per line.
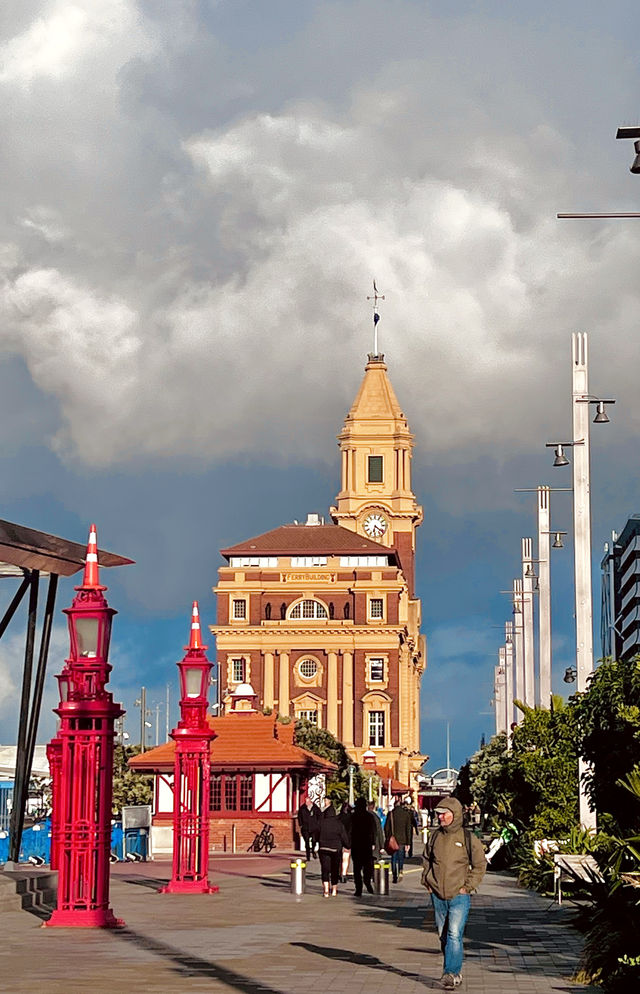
x,y
263,840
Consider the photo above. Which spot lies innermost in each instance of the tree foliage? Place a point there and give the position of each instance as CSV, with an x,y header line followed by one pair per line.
x,y
129,786
327,746
608,717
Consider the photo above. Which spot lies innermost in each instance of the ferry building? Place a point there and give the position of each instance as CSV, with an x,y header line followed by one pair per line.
x,y
322,618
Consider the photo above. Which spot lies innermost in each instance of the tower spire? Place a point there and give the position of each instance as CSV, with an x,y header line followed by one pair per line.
x,y
376,317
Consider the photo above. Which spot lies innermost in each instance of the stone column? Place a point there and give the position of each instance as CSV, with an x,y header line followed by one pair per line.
x,y
332,693
347,699
267,691
284,705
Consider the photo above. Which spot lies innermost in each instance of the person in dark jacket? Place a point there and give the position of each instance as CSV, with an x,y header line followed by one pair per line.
x,y
398,824
371,808
333,838
345,816
309,822
454,865
363,841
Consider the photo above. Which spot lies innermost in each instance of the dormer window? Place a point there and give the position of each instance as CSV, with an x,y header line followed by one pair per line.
x,y
308,609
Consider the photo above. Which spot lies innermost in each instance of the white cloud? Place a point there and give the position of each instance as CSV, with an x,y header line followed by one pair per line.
x,y
199,291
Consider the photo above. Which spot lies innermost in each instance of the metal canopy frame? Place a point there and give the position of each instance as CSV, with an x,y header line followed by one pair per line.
x,y
31,554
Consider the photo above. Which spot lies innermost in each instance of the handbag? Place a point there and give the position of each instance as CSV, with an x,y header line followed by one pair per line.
x,y
391,845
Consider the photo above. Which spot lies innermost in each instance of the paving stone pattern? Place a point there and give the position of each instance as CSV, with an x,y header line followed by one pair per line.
x,y
254,937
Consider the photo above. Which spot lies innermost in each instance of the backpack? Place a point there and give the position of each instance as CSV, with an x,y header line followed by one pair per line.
x,y
429,853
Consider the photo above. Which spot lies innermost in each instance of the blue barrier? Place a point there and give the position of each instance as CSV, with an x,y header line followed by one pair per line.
x,y
36,841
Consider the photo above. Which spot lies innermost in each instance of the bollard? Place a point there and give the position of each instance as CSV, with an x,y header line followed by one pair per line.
x,y
298,874
381,877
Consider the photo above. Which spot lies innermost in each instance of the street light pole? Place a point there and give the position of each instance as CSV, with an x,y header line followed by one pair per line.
x,y
582,540
508,659
544,597
528,647
517,639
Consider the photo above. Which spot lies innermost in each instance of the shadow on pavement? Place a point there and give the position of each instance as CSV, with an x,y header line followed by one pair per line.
x,y
364,959
188,965
153,883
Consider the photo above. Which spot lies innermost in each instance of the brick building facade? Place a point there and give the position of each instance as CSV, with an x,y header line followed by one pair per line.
x,y
322,619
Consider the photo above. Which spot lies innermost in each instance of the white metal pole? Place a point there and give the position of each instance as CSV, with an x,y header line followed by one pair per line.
x,y
517,639
528,645
582,539
544,597
167,716
508,651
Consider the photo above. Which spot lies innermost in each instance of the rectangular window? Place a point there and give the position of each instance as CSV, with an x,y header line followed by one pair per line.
x,y
240,609
376,670
374,470
238,670
311,716
215,795
246,792
230,794
376,607
376,728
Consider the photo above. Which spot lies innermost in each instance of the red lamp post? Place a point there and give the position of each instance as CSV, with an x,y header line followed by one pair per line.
x,y
192,772
82,760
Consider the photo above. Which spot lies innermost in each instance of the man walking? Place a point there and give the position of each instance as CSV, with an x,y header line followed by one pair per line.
x,y
363,840
454,865
309,822
398,829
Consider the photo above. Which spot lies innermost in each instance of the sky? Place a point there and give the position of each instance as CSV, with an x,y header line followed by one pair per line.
x,y
195,198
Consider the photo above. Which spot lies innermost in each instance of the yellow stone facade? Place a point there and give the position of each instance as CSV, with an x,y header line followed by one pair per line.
x,y
322,619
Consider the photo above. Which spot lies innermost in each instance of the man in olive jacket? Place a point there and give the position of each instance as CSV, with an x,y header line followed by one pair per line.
x,y
454,865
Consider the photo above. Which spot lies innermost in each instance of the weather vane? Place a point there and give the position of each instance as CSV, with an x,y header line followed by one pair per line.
x,y
376,317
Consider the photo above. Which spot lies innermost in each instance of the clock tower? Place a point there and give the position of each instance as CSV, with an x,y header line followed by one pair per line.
x,y
376,499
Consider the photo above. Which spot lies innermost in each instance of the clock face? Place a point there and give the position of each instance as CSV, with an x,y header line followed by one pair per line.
x,y
375,525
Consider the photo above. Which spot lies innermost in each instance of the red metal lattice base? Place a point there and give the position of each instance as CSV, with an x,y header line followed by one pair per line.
x,y
189,887
95,918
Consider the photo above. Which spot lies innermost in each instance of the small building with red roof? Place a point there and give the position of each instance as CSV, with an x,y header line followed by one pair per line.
x,y
257,775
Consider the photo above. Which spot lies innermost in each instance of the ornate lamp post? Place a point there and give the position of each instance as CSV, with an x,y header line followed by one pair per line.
x,y
192,772
82,754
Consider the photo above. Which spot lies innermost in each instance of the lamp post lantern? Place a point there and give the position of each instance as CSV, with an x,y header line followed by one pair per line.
x,y
192,772
82,754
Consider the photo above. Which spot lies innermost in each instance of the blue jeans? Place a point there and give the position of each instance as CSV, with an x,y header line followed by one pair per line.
x,y
397,862
451,918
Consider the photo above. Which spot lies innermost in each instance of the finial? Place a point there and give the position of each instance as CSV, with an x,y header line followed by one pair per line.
x,y
91,579
376,317
195,641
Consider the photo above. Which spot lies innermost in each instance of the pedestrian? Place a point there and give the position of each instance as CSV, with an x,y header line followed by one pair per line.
x,y
363,841
379,843
454,865
415,821
333,838
309,823
398,829
345,816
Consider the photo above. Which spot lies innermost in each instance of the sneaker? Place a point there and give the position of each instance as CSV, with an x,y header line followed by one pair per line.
x,y
457,979
448,981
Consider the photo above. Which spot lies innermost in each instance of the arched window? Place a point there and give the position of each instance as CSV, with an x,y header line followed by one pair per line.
x,y
308,609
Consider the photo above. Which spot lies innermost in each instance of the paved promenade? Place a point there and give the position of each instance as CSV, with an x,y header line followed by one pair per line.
x,y
255,937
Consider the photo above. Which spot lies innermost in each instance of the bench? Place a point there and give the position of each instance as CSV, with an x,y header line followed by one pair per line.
x,y
575,867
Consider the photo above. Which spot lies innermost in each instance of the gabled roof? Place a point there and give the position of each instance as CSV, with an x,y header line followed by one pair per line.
x,y
244,741
299,539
